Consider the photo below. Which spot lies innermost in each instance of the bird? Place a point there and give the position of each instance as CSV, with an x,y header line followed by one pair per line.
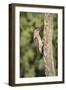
x,y
37,40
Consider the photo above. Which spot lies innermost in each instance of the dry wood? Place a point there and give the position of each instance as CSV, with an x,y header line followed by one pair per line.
x,y
48,48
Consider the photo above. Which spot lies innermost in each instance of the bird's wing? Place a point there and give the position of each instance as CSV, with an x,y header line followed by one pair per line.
x,y
36,42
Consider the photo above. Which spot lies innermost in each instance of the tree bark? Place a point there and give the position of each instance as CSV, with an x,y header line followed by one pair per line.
x,y
47,42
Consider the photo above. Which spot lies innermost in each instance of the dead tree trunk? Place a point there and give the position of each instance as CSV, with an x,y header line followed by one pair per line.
x,y
47,48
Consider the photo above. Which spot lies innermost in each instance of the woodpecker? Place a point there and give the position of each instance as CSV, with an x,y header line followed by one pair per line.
x,y
38,40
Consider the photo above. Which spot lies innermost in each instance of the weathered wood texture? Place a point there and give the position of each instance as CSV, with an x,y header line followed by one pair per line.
x,y
48,48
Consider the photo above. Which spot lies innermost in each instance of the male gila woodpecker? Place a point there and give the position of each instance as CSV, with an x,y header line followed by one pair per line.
x,y
37,40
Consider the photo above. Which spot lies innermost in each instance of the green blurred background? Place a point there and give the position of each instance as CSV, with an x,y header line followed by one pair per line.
x,y
31,62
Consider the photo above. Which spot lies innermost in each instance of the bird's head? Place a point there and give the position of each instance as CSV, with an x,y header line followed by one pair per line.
x,y
36,31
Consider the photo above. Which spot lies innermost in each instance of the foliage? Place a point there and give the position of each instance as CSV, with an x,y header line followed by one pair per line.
x,y
31,62
55,41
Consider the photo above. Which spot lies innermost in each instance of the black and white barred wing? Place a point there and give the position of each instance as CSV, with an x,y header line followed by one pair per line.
x,y
38,44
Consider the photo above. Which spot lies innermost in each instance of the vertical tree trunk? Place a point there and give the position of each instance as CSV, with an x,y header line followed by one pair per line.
x,y
47,48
